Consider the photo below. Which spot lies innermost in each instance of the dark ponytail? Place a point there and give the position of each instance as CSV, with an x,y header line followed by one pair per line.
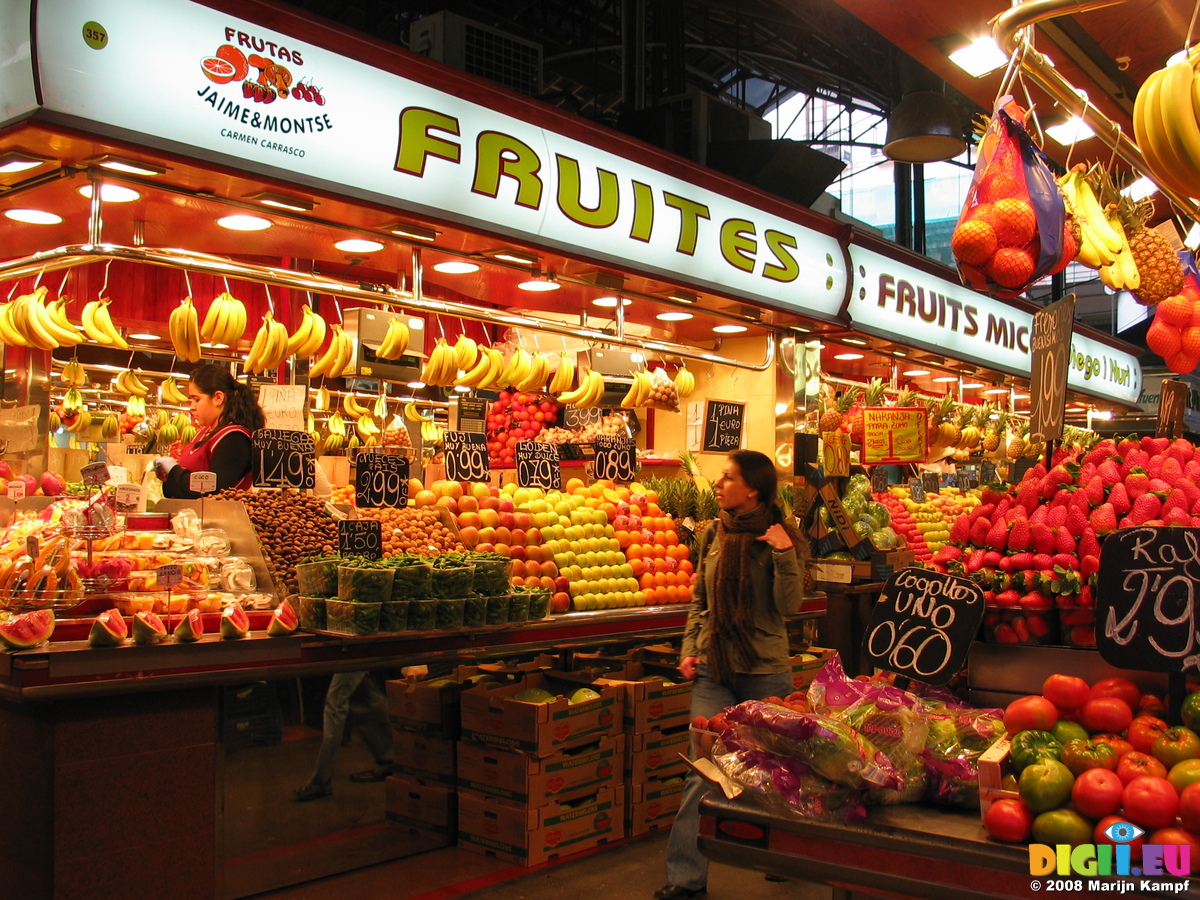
x,y
241,407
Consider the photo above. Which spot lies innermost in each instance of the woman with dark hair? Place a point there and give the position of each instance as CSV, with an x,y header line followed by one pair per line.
x,y
226,414
749,578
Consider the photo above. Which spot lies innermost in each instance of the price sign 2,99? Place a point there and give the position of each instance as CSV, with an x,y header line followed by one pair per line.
x,y
380,480
616,458
537,465
466,457
923,625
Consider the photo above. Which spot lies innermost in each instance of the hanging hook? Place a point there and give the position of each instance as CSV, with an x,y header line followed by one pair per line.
x,y
270,299
187,282
38,280
104,286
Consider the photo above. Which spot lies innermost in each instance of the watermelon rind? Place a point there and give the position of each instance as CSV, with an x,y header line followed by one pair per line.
x,y
190,627
283,620
108,630
20,632
234,622
148,628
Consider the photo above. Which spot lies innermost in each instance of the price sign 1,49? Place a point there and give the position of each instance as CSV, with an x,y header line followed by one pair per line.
x,y
380,480
284,458
616,458
466,456
538,465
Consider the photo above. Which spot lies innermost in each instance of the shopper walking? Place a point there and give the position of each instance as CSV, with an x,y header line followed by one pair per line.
x,y
357,691
749,578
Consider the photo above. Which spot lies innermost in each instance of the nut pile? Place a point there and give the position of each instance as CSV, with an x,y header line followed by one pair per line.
x,y
413,530
291,527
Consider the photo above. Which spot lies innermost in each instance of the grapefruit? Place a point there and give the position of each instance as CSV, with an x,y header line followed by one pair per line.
x,y
219,71
235,58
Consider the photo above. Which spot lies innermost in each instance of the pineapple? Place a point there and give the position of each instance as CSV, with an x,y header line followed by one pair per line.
x,y
1159,268
906,398
1016,446
872,397
996,431
835,410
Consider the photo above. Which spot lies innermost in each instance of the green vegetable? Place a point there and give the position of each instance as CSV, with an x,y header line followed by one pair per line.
x,y
539,605
1045,785
422,615
1028,747
518,608
1079,756
393,616
352,617
412,578
317,578
312,613
474,611
493,572
450,614
365,585
497,609
451,581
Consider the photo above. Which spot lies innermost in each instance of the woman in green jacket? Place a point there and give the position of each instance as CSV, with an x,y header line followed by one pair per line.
x,y
749,579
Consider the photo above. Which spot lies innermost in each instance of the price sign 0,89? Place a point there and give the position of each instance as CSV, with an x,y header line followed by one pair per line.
x,y
923,625
616,458
537,465
380,480
466,456
360,537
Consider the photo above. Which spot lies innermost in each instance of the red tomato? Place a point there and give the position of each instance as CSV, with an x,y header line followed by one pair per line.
x,y
1066,691
1121,688
1099,837
1008,820
1033,713
1106,714
1150,802
1136,763
1151,705
1097,793
1180,837
1189,807
1115,741
1144,731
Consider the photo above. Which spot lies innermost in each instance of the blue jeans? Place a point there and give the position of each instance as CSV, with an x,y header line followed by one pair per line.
x,y
360,692
686,865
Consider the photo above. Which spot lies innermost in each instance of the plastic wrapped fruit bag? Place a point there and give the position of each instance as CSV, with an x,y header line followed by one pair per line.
x,y
884,539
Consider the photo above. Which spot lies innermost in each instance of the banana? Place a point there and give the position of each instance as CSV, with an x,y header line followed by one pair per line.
x,y
581,391
182,326
441,368
1150,130
431,433
316,336
82,422
73,374
496,367
1179,124
277,350
1130,278
466,352
336,424
237,324
564,375
72,399
53,423
380,410
322,402
395,341
342,367
333,442
631,396
32,317
475,377
322,368
90,328
9,335
215,311
103,321
685,382
352,408
172,394
110,428
303,333
1093,250
54,317
258,348
413,414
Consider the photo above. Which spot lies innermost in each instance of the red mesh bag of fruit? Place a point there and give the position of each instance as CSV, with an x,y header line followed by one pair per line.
x,y
1175,332
1013,227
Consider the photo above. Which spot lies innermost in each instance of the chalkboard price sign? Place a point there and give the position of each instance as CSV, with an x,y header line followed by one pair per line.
x,y
578,419
466,456
923,624
931,481
965,481
537,465
879,479
1146,599
380,479
723,425
616,458
360,537
284,459
1050,351
917,488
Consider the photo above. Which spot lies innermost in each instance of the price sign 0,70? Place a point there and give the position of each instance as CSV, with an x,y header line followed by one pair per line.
x,y
360,537
380,480
616,458
538,466
466,456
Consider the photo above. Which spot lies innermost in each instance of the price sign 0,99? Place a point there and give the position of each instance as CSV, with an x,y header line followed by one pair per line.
x,y
94,474
923,625
917,488
284,459
380,480
537,465
1146,599
466,456
360,537
616,458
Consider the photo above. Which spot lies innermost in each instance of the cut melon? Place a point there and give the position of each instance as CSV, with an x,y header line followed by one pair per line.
x,y
190,627
108,629
27,629
234,621
283,620
148,628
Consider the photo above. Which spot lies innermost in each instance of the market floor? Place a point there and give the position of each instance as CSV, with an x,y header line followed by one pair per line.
x,y
633,869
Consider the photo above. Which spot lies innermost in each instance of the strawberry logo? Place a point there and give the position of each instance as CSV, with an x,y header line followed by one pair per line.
x,y
553,837
562,732
656,710
496,725
654,760
491,776
604,769
602,821
555,784
653,810
606,718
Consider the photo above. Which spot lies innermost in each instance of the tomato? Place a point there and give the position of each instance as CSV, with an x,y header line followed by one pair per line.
x,y
1106,714
1121,688
1175,745
1150,802
1189,808
1062,826
1097,793
1115,741
1032,713
1046,785
1152,705
1099,836
1183,773
1189,711
1133,764
1066,730
1027,747
1066,691
1144,731
1181,838
1008,820
1079,756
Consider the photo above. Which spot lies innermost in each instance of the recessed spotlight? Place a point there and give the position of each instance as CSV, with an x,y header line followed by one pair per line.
x,y
33,216
15,161
913,373
283,201
461,388
540,285
856,341
416,385
128,166
848,356
244,223
513,256
413,232
979,57
112,193
611,302
945,379
358,245
145,336
972,385
1020,396
996,390
729,329
673,316
456,267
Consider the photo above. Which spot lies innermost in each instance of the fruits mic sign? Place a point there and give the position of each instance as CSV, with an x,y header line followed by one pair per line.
x,y
380,480
466,456
923,625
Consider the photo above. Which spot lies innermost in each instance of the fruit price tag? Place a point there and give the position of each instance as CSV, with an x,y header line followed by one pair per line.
x,y
32,546
202,482
380,480
723,425
169,576
127,496
923,625
917,488
538,465
1050,352
360,537
879,480
16,490
578,419
466,456
616,458
931,481
284,459
94,474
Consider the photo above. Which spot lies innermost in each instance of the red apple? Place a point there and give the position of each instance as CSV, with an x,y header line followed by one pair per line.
x,y
560,602
468,504
503,535
532,568
506,505
522,520
517,552
506,519
469,536
489,503
562,583
518,537
468,519
486,548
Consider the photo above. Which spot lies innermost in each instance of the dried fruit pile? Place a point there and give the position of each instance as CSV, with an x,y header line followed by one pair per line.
x,y
413,530
291,527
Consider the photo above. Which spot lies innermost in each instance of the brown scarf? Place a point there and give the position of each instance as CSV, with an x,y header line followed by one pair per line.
x,y
731,637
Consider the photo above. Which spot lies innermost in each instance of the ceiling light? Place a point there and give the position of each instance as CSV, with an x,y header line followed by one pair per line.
x,y
729,329
416,323
416,385
996,390
145,336
981,56
540,284
924,127
913,373
945,379
513,256
859,342
112,193
673,316
848,356
680,296
358,245
456,267
1177,57
128,166
611,302
282,201
972,385
462,388
1105,414
414,232
1071,131
1020,396
14,161
244,223
33,216
1140,189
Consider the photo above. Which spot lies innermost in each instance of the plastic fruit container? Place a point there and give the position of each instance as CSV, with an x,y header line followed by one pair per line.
x,y
539,605
475,611
1077,626
317,579
1013,625
450,613
452,582
373,585
422,615
492,576
497,609
352,617
518,608
412,580
393,616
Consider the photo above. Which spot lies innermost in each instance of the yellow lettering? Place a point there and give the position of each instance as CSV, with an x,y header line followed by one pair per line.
x,y
781,245
1042,859
738,245
643,212
570,195
501,155
417,143
690,212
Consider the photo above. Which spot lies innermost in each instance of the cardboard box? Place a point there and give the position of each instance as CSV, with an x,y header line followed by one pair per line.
x,y
885,562
655,754
491,716
532,835
992,763
424,805
424,756
804,671
652,805
648,705
565,775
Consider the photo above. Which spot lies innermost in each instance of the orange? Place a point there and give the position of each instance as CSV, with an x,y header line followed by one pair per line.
x,y
623,539
674,595
660,579
634,550
610,495
685,566
638,566
218,70
974,242
652,496
597,489
646,581
623,493
592,503
671,539
652,509
609,510
1011,267
573,484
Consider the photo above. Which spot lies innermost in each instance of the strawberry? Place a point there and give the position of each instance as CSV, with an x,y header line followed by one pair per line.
x,y
1002,508
1005,564
1190,490
994,493
1038,516
1135,459
1016,513
1158,486
1110,473
1065,560
1036,600
1181,450
1020,630
1177,499
960,531
1064,538
1176,516
947,554
1077,522
1042,561
974,562
1089,544
984,511
1028,495
1008,598
1086,473
1155,466
1041,538
1127,444
1196,521
997,537
1094,491
1102,451
1088,565
992,558
1037,471
1057,477
1155,445
1020,560
979,532
1126,522
1172,471
1060,455
1104,519
1057,516
1087,597
1062,498
1018,536
1119,498
1145,508
1137,482
1005,634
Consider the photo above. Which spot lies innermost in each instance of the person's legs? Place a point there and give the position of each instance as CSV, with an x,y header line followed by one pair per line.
x,y
370,707
337,705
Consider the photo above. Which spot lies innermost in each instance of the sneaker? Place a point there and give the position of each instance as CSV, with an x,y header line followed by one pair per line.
x,y
677,892
380,774
311,792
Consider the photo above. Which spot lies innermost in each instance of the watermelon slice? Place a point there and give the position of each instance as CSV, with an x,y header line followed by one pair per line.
x,y
234,621
108,629
190,627
148,628
283,620
27,630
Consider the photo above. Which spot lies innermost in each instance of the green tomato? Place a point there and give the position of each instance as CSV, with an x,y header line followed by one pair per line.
x,y
1028,747
1079,756
1190,711
1175,745
1066,730
1045,785
1062,826
1183,773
